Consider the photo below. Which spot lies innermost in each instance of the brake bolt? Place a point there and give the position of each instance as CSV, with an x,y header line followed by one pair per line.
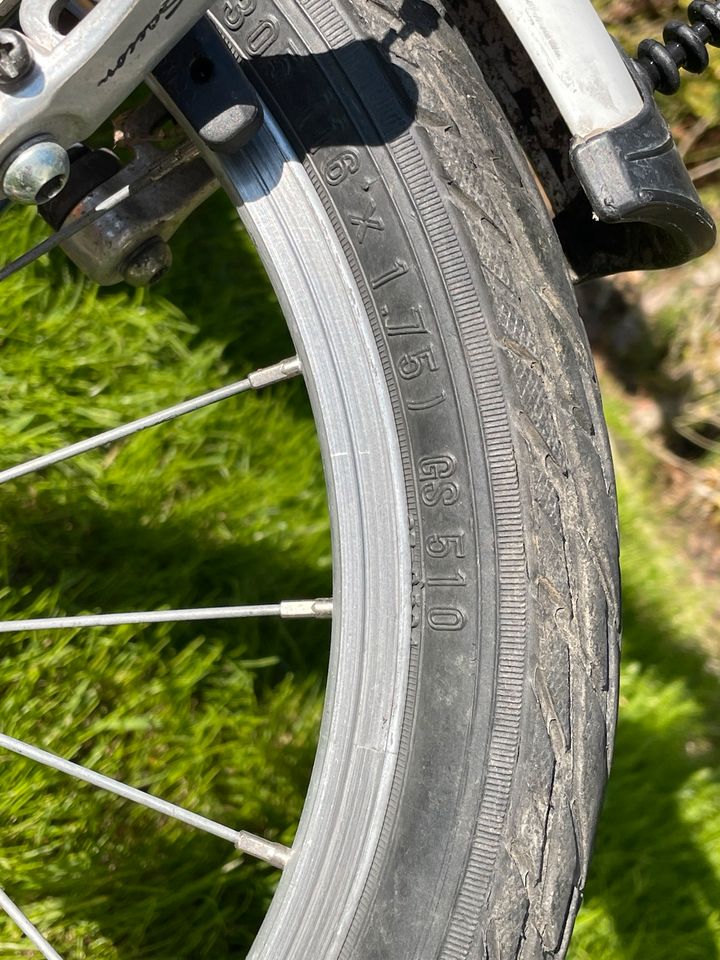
x,y
16,59
148,263
37,173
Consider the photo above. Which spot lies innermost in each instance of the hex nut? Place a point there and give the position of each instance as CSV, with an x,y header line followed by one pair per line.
x,y
148,263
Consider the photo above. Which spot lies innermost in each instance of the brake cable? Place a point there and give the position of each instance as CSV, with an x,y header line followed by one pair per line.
x,y
155,172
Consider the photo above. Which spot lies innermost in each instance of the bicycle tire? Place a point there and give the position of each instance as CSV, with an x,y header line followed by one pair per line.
x,y
508,721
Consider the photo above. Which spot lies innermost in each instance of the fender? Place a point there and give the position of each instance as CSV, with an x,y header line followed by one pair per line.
x,y
637,208
582,68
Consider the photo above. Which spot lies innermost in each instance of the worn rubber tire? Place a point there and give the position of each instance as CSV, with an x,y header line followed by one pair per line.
x,y
512,698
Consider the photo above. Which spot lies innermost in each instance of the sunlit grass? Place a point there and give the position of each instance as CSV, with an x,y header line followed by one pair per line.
x,y
228,506
654,889
225,506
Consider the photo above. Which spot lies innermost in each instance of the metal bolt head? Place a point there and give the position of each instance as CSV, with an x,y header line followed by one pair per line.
x,y
148,263
37,173
16,58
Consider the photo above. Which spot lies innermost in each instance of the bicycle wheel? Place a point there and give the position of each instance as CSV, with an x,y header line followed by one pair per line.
x,y
472,689
481,826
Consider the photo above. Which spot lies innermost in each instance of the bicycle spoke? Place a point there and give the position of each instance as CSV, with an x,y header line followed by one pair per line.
x,y
276,854
284,370
320,609
30,931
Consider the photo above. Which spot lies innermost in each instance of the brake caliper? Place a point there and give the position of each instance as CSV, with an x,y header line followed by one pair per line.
x,y
197,80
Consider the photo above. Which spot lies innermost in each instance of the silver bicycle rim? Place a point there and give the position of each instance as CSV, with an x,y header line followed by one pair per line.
x,y
326,873
321,888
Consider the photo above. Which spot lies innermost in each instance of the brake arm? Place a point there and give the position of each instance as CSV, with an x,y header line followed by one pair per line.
x,y
77,80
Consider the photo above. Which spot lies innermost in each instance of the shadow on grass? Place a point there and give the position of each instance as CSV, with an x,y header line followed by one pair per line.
x,y
219,283
649,872
151,891
106,560
635,347
631,346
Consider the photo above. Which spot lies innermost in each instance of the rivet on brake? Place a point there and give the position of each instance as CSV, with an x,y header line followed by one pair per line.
x,y
37,173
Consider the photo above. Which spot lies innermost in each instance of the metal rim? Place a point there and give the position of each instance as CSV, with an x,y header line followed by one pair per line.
x,y
327,870
345,808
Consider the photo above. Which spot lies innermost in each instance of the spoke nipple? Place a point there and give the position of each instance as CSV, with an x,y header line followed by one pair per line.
x,y
292,367
276,854
323,609
285,370
148,263
38,172
16,59
303,609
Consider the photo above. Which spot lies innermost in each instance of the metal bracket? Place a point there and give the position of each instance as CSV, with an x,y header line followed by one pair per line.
x,y
78,79
216,104
130,243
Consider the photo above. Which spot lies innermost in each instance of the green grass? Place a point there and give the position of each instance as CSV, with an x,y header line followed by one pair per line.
x,y
654,888
220,717
223,717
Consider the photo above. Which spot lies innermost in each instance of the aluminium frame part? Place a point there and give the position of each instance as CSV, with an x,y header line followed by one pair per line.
x,y
78,79
218,107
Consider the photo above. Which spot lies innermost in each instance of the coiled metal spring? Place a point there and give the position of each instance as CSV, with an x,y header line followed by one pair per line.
x,y
685,46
